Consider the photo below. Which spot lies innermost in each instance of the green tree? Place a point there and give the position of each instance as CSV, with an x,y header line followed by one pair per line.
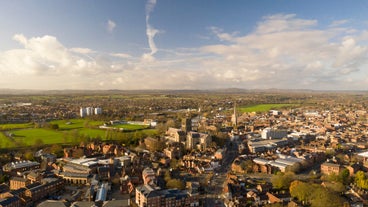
x,y
317,195
57,150
323,197
295,168
247,166
175,183
54,126
300,190
282,180
361,180
344,176
337,187
28,155
38,143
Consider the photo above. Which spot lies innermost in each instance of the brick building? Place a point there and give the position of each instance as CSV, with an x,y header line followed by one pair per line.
x,y
330,168
147,195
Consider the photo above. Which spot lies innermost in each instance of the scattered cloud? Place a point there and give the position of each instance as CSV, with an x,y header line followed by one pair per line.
x,y
283,51
222,36
82,50
110,25
121,55
150,31
338,23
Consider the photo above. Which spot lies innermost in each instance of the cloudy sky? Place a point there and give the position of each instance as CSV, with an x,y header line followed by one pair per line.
x,y
184,44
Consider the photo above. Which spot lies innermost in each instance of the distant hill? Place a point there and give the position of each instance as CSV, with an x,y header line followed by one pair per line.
x,y
7,91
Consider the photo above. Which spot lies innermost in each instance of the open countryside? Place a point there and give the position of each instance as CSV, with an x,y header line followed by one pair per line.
x,y
265,107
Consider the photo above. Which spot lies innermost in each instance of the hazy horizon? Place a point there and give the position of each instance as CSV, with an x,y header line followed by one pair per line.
x,y
184,45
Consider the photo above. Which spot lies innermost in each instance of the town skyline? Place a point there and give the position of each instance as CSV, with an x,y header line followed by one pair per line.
x,y
191,45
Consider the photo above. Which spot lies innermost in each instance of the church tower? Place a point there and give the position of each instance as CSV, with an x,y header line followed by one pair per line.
x,y
234,118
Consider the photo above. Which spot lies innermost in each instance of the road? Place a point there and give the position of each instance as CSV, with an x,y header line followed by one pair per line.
x,y
213,195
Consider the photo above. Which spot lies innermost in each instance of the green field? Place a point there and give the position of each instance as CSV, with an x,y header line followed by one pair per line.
x,y
6,142
130,127
69,132
265,107
30,136
76,124
5,127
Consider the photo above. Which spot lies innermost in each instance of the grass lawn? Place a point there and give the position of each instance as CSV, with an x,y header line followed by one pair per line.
x,y
93,133
76,123
26,135
15,126
29,136
264,107
5,142
130,127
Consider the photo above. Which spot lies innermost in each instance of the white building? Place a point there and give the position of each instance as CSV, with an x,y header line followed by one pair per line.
x,y
269,133
83,112
89,111
98,111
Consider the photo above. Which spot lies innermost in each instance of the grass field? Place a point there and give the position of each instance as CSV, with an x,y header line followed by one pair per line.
x,y
30,136
130,127
5,127
6,142
76,124
264,107
69,131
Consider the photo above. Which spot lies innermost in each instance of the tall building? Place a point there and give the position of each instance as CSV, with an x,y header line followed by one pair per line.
x,y
98,111
89,111
186,124
234,118
196,140
83,112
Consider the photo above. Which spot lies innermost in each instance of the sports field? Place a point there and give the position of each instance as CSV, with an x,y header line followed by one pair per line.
x,y
69,131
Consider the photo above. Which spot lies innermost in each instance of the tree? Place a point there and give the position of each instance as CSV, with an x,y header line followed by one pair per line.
x,y
54,126
335,186
57,150
38,143
344,176
361,180
175,183
282,180
174,163
170,123
161,128
28,155
295,168
300,190
316,195
247,166
323,197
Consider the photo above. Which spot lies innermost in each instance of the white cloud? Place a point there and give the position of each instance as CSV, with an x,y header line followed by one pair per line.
x,y
82,50
110,25
150,31
338,23
222,35
283,22
121,55
283,51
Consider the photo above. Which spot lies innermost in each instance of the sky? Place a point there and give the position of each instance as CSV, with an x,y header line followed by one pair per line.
x,y
184,44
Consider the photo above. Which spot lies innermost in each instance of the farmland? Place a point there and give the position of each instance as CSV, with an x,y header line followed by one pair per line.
x,y
265,107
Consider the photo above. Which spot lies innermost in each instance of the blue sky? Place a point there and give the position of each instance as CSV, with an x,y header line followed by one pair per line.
x,y
191,44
